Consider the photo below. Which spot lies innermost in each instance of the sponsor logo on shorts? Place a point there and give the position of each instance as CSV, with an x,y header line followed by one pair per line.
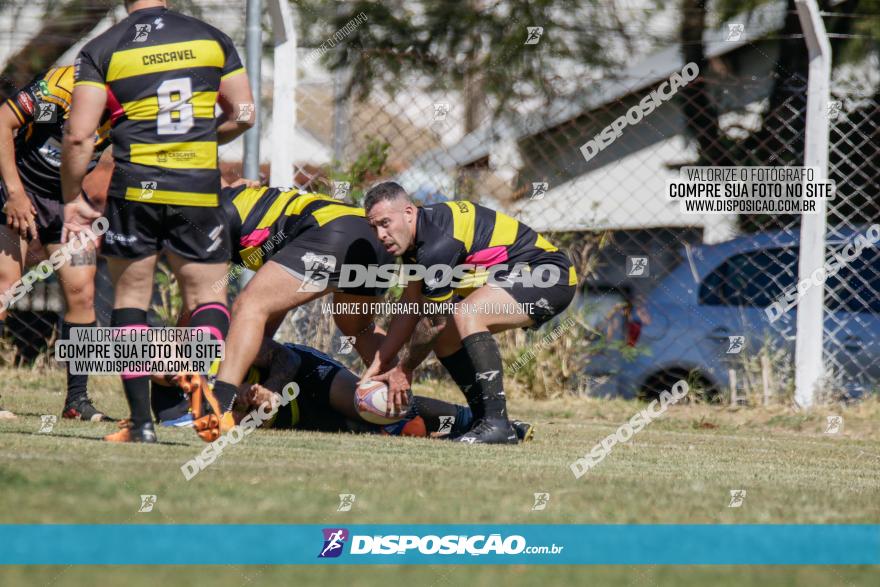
x,y
122,239
215,238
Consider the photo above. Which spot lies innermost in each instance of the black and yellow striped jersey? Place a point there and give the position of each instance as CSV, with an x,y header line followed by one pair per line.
x,y
262,219
162,72
463,233
41,108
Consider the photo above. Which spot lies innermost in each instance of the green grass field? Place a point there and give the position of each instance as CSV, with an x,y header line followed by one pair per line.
x,y
678,470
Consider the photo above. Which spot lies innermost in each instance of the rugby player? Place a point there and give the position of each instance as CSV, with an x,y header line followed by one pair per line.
x,y
297,243
453,234
31,128
326,400
160,73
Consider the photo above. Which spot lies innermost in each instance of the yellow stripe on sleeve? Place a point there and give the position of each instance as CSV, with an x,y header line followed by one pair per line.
x,y
245,201
276,209
504,231
89,83
543,243
332,212
463,222
232,73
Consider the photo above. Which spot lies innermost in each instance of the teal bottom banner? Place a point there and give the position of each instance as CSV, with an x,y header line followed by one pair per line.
x,y
745,544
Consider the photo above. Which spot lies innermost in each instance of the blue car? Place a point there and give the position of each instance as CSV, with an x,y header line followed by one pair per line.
x,y
691,321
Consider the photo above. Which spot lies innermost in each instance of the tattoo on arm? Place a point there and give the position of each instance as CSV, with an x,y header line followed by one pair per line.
x,y
83,258
422,341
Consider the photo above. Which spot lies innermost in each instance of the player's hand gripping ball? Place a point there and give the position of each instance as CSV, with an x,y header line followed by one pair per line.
x,y
371,402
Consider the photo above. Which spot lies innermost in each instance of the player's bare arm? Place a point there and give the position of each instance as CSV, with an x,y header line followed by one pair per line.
x,y
399,378
78,146
19,209
237,103
399,332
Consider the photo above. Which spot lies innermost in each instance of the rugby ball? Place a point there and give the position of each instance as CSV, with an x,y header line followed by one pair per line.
x,y
370,401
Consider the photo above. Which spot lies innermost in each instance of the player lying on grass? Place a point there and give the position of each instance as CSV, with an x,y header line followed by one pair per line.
x,y
453,234
296,242
31,129
326,400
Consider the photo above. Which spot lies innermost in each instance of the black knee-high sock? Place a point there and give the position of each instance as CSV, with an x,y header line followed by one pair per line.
x,y
460,368
486,359
136,385
214,317
77,385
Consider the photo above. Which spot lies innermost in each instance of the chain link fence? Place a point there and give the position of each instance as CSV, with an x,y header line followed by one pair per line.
x,y
662,295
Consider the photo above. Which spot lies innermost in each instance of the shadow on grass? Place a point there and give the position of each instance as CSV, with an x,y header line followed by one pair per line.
x,y
99,439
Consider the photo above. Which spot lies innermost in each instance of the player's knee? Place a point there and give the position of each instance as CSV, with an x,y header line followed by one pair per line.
x,y
79,294
469,321
247,305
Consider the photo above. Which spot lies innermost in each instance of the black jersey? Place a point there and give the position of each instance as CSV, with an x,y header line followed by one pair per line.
x,y
461,233
311,409
162,72
41,108
261,218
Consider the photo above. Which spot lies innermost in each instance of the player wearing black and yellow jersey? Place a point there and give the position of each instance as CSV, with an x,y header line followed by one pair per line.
x,y
160,74
298,243
536,283
31,128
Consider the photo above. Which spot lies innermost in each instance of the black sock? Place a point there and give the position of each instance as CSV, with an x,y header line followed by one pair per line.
x,y
486,359
459,366
76,384
168,402
136,385
225,394
214,318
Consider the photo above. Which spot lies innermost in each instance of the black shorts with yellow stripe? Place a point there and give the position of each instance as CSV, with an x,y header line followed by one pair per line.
x,y
137,229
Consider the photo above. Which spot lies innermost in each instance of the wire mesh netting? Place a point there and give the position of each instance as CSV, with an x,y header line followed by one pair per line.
x,y
662,294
